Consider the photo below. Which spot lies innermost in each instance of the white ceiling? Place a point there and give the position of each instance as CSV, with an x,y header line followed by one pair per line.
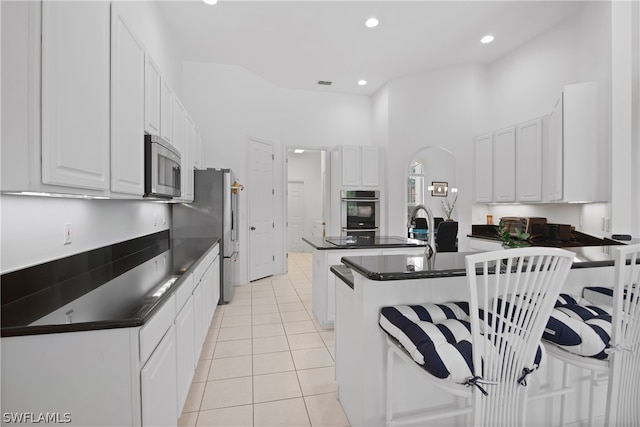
x,y
294,44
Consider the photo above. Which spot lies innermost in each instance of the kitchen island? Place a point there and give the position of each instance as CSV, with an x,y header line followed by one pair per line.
x,y
377,281
328,251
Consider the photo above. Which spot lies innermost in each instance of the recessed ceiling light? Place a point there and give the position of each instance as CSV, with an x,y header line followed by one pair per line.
x,y
298,151
487,39
210,1
371,22
362,82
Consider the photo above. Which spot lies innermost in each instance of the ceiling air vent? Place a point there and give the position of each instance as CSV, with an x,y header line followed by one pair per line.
x,y
324,82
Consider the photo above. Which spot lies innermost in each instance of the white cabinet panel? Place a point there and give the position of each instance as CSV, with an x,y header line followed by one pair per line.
x,y
198,315
504,165
185,352
529,161
155,328
158,381
370,166
483,162
215,277
166,111
553,155
75,94
127,108
357,166
576,155
351,165
188,154
152,96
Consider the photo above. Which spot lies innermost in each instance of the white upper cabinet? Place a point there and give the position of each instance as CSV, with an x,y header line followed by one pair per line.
x,y
167,105
127,108
351,165
504,165
152,90
359,166
508,164
370,166
483,162
529,161
75,94
198,161
553,155
576,160
188,155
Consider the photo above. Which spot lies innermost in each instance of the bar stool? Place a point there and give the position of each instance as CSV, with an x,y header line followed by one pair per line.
x,y
483,348
604,340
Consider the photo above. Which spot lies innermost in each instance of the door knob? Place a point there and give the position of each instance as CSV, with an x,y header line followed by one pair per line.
x,y
252,228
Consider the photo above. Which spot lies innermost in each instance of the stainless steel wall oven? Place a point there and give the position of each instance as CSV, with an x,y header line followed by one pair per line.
x,y
360,212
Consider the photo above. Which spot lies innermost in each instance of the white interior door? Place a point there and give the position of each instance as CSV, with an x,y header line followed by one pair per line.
x,y
295,216
261,223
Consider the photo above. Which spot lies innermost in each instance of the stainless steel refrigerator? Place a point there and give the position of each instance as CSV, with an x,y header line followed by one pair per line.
x,y
213,213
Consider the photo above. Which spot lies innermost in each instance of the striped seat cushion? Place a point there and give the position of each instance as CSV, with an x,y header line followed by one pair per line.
x,y
579,327
598,295
436,336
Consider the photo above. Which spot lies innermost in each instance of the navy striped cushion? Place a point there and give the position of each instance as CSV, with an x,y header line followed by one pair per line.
x,y
599,295
579,327
436,336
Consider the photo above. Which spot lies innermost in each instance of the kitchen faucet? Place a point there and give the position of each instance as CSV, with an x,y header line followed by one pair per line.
x,y
431,247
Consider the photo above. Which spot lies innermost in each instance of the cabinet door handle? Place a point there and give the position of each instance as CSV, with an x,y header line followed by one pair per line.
x,y
252,228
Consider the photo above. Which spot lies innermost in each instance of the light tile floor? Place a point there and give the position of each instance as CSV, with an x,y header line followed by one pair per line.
x,y
266,360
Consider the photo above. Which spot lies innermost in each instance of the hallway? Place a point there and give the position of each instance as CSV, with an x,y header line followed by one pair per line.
x,y
266,360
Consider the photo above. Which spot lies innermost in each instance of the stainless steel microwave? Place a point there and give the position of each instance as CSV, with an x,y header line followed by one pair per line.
x,y
162,174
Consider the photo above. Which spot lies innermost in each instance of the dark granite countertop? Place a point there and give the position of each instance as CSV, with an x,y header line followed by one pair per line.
x,y
128,300
451,264
343,242
344,273
578,239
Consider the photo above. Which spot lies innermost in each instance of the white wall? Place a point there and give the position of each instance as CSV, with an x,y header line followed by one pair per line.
x,y
431,109
33,227
306,168
231,105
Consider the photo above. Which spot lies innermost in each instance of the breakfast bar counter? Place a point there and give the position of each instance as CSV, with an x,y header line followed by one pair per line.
x,y
385,280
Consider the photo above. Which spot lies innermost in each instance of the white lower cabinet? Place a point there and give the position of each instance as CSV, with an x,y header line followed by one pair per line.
x,y
158,381
198,316
123,376
185,352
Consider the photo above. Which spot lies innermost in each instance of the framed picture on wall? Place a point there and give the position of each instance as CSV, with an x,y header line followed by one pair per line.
x,y
439,189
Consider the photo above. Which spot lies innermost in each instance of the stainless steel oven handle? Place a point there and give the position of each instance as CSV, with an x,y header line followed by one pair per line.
x,y
360,200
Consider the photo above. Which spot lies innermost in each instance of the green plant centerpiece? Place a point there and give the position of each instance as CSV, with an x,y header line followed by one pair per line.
x,y
519,240
448,207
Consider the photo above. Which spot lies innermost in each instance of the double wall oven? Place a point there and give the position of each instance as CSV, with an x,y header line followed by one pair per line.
x,y
360,213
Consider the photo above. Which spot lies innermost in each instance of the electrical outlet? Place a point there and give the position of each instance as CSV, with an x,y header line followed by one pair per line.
x,y
602,223
607,224
67,233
